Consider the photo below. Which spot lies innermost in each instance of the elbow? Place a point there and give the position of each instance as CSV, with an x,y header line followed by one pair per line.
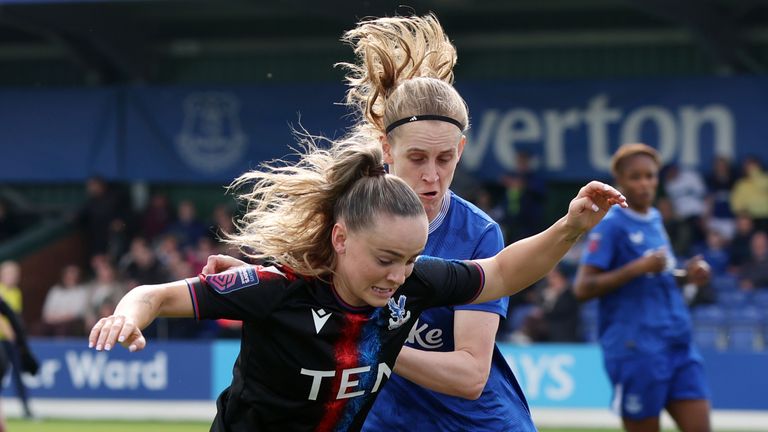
x,y
473,388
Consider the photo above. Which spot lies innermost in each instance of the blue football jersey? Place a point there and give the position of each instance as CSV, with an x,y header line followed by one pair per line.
x,y
460,231
648,314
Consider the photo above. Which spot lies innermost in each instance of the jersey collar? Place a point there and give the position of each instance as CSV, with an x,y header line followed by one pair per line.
x,y
638,216
444,206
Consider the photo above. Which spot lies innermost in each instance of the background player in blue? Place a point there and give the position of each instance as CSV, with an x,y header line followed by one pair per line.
x,y
449,375
644,324
323,327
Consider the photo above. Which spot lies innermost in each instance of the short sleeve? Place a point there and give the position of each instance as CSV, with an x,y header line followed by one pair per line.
x,y
601,245
449,282
243,293
491,243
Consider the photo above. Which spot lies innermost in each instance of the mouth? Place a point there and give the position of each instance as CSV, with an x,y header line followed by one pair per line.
x,y
428,195
384,293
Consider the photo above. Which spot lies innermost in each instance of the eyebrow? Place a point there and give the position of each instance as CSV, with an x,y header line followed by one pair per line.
x,y
397,254
421,150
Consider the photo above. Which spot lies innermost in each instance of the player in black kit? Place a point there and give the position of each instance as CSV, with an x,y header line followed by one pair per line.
x,y
322,327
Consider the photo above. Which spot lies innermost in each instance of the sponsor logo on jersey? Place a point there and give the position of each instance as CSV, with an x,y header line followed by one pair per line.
x,y
398,314
233,279
594,242
349,384
636,238
425,337
320,317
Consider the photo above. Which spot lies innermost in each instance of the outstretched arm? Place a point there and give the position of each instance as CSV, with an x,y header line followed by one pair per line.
x,y
524,262
138,309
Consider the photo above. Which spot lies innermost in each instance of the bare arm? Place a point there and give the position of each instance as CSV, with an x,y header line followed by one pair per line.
x,y
592,282
462,372
526,261
136,310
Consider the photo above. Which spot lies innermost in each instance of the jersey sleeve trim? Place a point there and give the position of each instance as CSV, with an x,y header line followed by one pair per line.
x,y
481,281
193,284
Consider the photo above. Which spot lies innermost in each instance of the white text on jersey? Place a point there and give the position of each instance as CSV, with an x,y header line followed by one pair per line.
x,y
347,380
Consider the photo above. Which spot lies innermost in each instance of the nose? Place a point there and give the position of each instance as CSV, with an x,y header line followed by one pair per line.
x,y
397,275
429,174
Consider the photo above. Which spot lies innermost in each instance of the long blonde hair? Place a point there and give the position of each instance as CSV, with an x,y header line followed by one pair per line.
x,y
404,67
292,207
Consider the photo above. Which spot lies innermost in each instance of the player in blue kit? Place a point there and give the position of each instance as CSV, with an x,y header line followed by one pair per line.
x,y
644,324
450,375
323,326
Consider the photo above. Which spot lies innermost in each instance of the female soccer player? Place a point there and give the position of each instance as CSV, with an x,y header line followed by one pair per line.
x,y
645,328
449,375
323,326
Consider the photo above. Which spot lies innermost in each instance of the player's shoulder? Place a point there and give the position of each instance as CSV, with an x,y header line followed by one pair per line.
x,y
242,277
470,214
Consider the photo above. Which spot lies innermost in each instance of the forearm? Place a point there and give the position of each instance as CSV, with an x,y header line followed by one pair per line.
x,y
455,373
524,262
589,286
146,302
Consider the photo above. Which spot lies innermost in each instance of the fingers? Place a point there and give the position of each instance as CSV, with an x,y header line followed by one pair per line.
x,y
602,194
114,329
219,263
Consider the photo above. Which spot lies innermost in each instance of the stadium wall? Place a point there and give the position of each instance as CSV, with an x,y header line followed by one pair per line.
x,y
565,384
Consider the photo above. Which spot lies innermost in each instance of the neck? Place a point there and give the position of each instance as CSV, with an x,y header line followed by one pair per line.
x,y
342,290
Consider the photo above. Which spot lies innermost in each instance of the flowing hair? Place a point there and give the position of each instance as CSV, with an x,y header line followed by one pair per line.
x,y
291,208
404,67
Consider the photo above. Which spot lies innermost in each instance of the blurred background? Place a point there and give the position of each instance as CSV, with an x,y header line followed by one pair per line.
x,y
121,123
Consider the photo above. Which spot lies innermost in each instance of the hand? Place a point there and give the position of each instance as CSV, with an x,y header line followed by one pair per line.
x,y
219,263
591,204
654,262
114,329
698,271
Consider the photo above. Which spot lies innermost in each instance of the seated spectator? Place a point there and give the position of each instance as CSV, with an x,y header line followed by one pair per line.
x,y
9,222
104,218
715,252
754,274
686,191
188,228
750,193
719,186
739,250
105,288
157,217
65,305
140,266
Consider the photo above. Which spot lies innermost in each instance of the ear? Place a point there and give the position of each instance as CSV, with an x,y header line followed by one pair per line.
x,y
386,148
462,141
339,238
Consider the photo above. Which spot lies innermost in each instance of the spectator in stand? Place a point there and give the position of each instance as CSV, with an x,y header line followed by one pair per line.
x,y
523,201
188,228
739,250
65,305
105,288
103,218
556,316
10,293
157,217
719,186
140,266
672,225
715,252
755,271
686,191
485,202
9,222
750,194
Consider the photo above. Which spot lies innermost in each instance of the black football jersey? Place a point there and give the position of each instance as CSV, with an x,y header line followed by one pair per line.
x,y
308,361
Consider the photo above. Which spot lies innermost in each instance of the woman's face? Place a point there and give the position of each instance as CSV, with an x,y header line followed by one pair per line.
x,y
425,155
373,262
638,179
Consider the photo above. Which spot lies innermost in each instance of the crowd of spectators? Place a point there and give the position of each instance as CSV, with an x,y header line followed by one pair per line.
x,y
722,217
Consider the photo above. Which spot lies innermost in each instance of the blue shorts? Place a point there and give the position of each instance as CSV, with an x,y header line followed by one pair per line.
x,y
645,384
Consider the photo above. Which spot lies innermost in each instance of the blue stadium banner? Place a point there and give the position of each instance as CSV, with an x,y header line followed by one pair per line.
x,y
212,134
162,371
